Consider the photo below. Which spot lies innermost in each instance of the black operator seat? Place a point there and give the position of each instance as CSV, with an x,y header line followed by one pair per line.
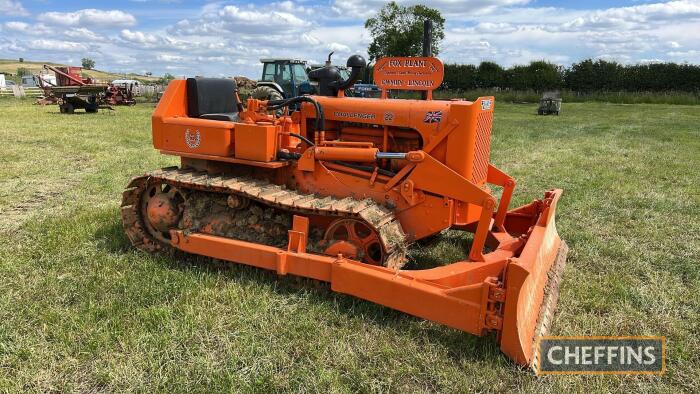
x,y
212,98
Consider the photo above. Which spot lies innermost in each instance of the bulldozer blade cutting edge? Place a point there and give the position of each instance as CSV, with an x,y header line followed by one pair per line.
x,y
532,287
549,304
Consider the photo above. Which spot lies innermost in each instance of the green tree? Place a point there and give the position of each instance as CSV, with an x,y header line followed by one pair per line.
x,y
88,63
490,75
592,76
398,30
22,71
165,79
459,77
538,75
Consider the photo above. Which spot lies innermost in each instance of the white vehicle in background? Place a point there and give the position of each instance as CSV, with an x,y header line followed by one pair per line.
x,y
50,79
125,82
132,85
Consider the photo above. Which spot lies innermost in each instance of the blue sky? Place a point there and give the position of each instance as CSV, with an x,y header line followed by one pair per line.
x,y
226,38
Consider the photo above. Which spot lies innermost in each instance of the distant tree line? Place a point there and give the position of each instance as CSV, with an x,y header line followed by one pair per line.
x,y
585,76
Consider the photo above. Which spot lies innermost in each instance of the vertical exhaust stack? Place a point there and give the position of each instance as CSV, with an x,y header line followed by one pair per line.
x,y
427,45
329,79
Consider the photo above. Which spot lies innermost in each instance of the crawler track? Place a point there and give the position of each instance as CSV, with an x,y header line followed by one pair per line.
x,y
279,197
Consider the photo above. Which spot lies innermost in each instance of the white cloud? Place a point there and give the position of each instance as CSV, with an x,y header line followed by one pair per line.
x,y
235,16
650,61
496,28
640,17
10,46
220,38
40,29
58,46
35,29
691,56
310,39
138,37
337,47
292,7
165,57
89,17
451,8
264,23
84,34
626,34
18,26
13,8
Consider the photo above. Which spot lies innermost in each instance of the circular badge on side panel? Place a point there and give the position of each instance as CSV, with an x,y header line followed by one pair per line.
x,y
192,139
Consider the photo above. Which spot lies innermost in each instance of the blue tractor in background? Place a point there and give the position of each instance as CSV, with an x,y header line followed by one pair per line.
x,y
282,78
286,77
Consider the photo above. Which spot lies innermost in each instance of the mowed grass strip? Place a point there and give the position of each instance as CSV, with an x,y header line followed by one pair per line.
x,y
81,310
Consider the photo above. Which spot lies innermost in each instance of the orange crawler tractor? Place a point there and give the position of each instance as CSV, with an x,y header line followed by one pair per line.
x,y
338,189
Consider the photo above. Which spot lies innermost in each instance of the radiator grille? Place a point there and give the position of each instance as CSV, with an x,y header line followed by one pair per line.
x,y
483,147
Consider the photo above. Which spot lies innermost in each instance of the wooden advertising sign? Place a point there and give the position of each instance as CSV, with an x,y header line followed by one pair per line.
x,y
408,73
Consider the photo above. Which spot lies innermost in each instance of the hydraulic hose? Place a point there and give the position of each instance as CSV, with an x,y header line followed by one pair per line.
x,y
301,137
283,155
320,123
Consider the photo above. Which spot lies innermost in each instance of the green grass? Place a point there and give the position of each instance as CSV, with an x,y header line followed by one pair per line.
x,y
81,310
530,96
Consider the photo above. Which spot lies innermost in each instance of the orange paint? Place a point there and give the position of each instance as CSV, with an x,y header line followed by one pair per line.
x,y
443,183
257,142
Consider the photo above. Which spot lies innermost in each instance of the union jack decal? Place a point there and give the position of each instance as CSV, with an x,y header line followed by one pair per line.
x,y
433,117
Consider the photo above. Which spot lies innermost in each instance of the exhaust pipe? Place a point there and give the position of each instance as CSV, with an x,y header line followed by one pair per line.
x,y
356,64
427,38
427,45
329,80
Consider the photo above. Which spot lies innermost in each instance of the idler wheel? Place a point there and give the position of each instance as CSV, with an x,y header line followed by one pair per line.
x,y
162,206
351,235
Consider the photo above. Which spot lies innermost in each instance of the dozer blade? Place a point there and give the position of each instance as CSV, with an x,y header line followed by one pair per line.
x,y
532,286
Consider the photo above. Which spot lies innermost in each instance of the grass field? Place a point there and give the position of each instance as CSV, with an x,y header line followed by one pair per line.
x,y
81,310
531,96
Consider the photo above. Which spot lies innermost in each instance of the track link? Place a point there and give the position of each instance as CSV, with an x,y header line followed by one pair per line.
x,y
377,217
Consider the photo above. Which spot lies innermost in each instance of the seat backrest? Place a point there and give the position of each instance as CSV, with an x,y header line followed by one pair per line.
x,y
211,96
